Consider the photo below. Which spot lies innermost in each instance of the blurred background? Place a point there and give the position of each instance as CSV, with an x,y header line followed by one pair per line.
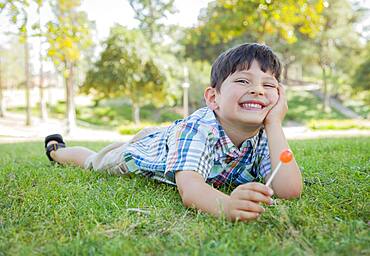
x,y
105,69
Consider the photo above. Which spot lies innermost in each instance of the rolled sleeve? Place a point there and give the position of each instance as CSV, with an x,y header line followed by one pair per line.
x,y
189,149
265,164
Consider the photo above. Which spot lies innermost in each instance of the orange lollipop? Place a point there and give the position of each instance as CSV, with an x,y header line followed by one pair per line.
x,y
285,157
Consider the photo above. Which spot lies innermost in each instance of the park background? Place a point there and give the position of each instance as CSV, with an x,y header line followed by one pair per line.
x,y
102,70
122,65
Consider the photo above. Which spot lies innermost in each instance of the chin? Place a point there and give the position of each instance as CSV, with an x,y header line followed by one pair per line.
x,y
253,121
252,124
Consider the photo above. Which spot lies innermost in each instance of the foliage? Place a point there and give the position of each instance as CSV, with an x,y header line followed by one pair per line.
x,y
226,23
54,210
199,79
304,107
128,67
361,75
336,45
360,103
12,64
17,11
150,14
68,35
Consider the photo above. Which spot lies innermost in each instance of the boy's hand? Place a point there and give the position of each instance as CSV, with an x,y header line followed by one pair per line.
x,y
277,113
244,201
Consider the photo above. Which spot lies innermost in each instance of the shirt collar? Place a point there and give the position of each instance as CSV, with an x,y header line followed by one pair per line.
x,y
227,145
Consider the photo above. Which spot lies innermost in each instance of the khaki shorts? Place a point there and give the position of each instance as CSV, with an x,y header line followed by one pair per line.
x,y
110,158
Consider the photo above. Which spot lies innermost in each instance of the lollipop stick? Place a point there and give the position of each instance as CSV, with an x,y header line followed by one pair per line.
x,y
285,157
273,174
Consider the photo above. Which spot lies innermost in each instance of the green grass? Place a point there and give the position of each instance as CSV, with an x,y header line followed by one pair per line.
x,y
110,115
55,210
305,107
343,124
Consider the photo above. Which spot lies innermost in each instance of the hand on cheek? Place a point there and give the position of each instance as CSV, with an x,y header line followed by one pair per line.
x,y
278,111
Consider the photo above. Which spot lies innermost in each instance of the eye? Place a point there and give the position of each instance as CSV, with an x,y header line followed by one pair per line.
x,y
242,81
269,85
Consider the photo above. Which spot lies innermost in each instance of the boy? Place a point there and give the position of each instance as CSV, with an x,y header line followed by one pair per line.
x,y
235,140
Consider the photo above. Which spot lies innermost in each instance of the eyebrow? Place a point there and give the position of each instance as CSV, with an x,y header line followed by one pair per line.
x,y
266,77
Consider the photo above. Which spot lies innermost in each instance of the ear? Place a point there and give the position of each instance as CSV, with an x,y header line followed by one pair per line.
x,y
210,94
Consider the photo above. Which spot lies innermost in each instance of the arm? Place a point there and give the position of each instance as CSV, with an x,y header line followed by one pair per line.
x,y
288,181
242,204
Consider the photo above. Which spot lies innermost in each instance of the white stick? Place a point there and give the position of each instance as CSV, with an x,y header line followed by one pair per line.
x,y
273,174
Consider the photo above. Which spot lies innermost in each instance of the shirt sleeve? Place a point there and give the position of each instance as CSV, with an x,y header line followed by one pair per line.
x,y
189,149
265,164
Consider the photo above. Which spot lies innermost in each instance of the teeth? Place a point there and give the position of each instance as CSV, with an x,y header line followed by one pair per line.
x,y
252,105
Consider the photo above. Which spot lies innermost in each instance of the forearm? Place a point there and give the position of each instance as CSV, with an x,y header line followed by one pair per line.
x,y
288,181
205,198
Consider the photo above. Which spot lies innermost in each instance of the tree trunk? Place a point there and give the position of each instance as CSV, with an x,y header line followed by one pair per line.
x,y
326,105
71,111
27,81
43,112
2,106
285,73
136,113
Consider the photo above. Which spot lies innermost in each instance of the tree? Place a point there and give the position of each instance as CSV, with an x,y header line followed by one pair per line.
x,y
17,10
2,106
336,44
150,14
361,76
224,23
40,34
128,67
199,79
68,36
12,66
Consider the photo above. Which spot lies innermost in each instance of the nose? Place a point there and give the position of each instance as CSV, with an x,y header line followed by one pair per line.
x,y
256,90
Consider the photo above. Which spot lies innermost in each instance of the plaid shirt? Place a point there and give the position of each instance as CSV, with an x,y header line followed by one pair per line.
x,y
199,143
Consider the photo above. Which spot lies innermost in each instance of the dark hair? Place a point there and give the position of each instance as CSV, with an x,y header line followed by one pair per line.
x,y
240,58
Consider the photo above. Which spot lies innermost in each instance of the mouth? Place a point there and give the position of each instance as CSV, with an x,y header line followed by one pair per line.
x,y
252,105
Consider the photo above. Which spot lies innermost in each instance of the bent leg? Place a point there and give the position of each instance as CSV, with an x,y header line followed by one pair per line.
x,y
71,155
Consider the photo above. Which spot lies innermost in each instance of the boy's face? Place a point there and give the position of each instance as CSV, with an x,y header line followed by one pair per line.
x,y
246,97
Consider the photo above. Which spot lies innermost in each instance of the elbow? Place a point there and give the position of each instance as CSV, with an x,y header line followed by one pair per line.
x,y
186,198
291,192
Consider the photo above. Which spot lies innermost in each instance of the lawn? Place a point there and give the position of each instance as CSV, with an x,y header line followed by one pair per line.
x,y
304,108
55,210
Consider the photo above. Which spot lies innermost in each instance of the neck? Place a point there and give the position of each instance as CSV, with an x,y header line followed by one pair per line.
x,y
238,134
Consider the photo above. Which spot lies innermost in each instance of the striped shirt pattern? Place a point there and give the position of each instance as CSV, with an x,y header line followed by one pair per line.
x,y
199,143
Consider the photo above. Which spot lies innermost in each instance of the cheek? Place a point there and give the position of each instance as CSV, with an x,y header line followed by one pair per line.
x,y
273,97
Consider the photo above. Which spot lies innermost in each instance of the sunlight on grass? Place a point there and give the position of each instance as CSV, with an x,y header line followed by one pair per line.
x,y
304,107
53,210
339,124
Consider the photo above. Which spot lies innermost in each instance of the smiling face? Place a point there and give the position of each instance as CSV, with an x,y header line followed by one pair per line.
x,y
245,98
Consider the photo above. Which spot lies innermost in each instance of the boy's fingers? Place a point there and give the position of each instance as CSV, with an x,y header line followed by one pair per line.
x,y
254,196
249,206
258,187
245,216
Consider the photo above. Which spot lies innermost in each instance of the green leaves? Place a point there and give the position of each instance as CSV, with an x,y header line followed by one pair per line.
x,y
129,67
225,23
69,34
150,14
